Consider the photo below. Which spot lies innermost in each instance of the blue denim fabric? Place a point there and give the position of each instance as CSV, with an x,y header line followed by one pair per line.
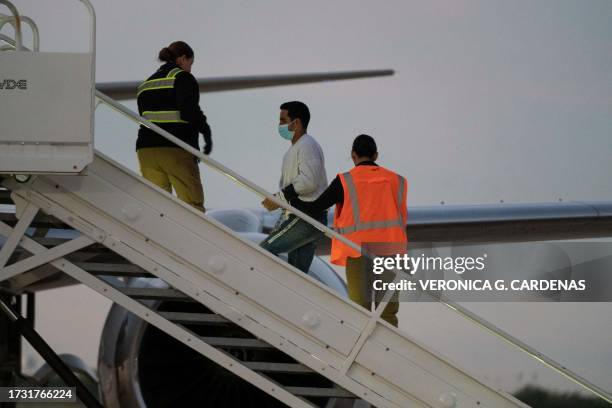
x,y
297,238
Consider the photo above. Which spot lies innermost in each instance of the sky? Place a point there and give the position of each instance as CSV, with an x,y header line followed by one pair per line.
x,y
491,100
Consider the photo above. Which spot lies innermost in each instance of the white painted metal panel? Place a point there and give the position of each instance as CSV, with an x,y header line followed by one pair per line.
x,y
165,325
211,264
210,248
431,378
46,112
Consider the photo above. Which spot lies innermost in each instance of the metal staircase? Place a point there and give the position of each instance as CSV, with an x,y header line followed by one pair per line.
x,y
246,310
186,315
251,313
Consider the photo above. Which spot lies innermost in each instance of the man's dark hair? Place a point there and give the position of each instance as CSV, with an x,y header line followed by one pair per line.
x,y
297,110
364,146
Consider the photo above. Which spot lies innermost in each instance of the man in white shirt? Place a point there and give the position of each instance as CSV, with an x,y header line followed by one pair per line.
x,y
302,176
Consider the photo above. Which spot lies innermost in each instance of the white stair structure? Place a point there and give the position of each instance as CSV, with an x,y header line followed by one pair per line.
x,y
59,88
206,262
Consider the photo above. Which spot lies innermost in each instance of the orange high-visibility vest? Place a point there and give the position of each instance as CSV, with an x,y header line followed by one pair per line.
x,y
373,210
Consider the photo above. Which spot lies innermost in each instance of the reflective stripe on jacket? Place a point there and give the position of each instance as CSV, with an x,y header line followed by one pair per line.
x,y
170,112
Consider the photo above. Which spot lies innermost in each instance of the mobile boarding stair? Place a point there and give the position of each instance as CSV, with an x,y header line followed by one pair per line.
x,y
282,331
206,262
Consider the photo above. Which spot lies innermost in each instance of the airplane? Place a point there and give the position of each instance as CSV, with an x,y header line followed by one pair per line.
x,y
130,368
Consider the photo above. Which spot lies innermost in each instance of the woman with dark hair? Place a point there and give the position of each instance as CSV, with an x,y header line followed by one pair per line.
x,y
170,99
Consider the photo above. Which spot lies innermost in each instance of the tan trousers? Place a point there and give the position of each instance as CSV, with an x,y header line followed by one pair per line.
x,y
360,289
173,167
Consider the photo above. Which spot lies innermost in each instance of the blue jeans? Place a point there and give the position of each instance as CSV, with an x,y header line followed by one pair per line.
x,y
297,238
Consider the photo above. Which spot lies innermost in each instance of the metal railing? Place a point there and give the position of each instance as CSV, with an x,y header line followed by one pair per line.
x,y
12,20
16,23
465,313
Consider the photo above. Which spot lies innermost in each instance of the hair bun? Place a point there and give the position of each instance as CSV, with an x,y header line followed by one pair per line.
x,y
166,55
175,50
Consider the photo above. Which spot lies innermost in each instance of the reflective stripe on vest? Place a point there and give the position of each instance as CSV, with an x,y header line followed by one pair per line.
x,y
173,72
400,196
163,116
159,83
363,226
162,83
369,225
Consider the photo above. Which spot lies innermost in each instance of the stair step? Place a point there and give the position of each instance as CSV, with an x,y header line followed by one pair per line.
x,y
285,368
154,294
194,318
320,392
113,269
236,342
52,242
5,197
40,221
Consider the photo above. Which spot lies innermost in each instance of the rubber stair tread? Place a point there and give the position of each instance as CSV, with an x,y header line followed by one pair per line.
x,y
40,221
271,367
191,318
113,269
236,342
154,293
319,392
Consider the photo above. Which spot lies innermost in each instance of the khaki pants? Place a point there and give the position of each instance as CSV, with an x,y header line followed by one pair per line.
x,y
359,284
173,167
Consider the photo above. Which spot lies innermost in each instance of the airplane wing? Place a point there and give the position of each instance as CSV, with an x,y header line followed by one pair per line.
x,y
127,89
497,223
510,222
475,223
520,222
490,223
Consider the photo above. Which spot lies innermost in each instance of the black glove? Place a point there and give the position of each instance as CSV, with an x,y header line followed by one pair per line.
x,y
207,148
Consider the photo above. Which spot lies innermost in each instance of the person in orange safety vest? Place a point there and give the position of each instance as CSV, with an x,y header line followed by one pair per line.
x,y
370,208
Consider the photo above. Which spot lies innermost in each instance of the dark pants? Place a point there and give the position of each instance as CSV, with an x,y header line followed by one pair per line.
x,y
297,238
359,284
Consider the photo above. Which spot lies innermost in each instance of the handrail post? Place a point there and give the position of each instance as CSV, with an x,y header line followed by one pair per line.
x,y
17,24
4,19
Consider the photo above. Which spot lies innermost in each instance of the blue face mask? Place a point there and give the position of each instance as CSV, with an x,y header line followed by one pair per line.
x,y
284,132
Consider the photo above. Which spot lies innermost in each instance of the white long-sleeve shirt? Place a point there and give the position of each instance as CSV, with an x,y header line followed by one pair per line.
x,y
304,167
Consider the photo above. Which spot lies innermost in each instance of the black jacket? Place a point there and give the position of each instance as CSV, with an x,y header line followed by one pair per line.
x,y
184,97
334,194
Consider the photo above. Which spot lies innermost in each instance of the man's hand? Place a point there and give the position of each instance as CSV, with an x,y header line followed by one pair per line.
x,y
207,148
269,205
